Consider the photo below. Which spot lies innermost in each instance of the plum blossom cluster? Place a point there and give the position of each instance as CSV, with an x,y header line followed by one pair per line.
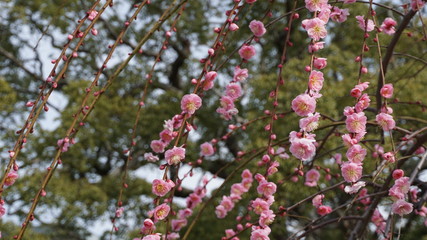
x,y
236,192
356,126
384,118
233,91
322,209
398,192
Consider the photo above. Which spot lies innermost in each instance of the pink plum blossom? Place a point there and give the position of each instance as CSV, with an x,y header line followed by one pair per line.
x,y
311,178
310,123
417,4
387,90
315,80
150,157
190,103
257,28
401,207
175,155
317,200
398,173
177,224
247,52
362,24
319,63
240,74
356,122
339,15
206,149
161,187
303,148
260,234
303,104
158,146
389,157
388,26
386,121
161,212
259,205
2,211
316,5
315,28
233,90
354,188
148,226
266,188
363,103
324,210
233,27
378,221
351,172
92,15
209,79
314,47
11,178
356,153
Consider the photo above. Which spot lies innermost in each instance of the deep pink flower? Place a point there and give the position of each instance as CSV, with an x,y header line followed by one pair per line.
x,y
389,157
356,153
246,174
417,4
351,172
257,28
190,103
161,212
339,15
324,210
401,207
319,63
161,187
148,226
206,149
209,79
175,155
387,90
363,103
247,52
311,178
369,26
166,136
92,15
317,200
386,121
315,80
240,74
316,5
356,122
233,90
303,104
11,178
2,211
316,28
250,1
388,26
398,173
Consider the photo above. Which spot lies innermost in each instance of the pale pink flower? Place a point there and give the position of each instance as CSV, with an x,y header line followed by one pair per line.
x,y
348,111
266,188
339,15
175,155
11,178
401,207
260,234
238,189
316,28
324,210
362,24
386,121
190,103
257,28
310,123
315,80
220,211
303,148
354,188
185,213
356,153
266,218
388,26
158,146
247,183
398,173
209,79
319,63
273,168
246,174
324,14
316,5
206,149
240,74
150,157
259,205
152,237
233,90
303,104
247,52
389,157
171,236
92,15
229,233
161,187
161,212
363,103
119,212
338,158
356,122
387,90
314,47
166,136
351,172
311,178
227,203
317,200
